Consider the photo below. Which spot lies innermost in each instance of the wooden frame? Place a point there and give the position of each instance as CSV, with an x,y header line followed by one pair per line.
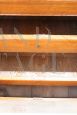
x,y
38,7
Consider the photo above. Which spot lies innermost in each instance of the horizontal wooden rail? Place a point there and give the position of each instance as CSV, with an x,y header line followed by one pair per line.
x,y
38,7
37,105
39,78
38,44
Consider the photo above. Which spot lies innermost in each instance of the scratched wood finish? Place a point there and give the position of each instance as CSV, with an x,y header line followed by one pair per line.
x,y
38,7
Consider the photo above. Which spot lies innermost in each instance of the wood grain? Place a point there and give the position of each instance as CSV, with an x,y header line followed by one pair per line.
x,y
50,91
37,91
38,7
42,44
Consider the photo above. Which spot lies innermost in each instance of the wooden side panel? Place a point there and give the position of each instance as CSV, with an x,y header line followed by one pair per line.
x,y
49,91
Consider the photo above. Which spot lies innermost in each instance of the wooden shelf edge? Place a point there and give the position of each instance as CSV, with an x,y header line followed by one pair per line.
x,y
38,83
39,78
38,8
44,44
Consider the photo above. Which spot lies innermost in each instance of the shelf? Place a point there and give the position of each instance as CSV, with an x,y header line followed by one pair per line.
x,y
38,78
38,7
37,105
38,43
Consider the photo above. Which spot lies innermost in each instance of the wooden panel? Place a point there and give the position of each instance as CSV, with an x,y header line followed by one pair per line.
x,y
73,92
35,91
60,91
15,91
39,78
38,7
49,91
38,62
37,105
38,43
43,91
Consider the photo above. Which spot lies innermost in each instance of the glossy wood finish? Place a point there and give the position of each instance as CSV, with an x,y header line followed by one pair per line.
x,y
38,7
38,43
